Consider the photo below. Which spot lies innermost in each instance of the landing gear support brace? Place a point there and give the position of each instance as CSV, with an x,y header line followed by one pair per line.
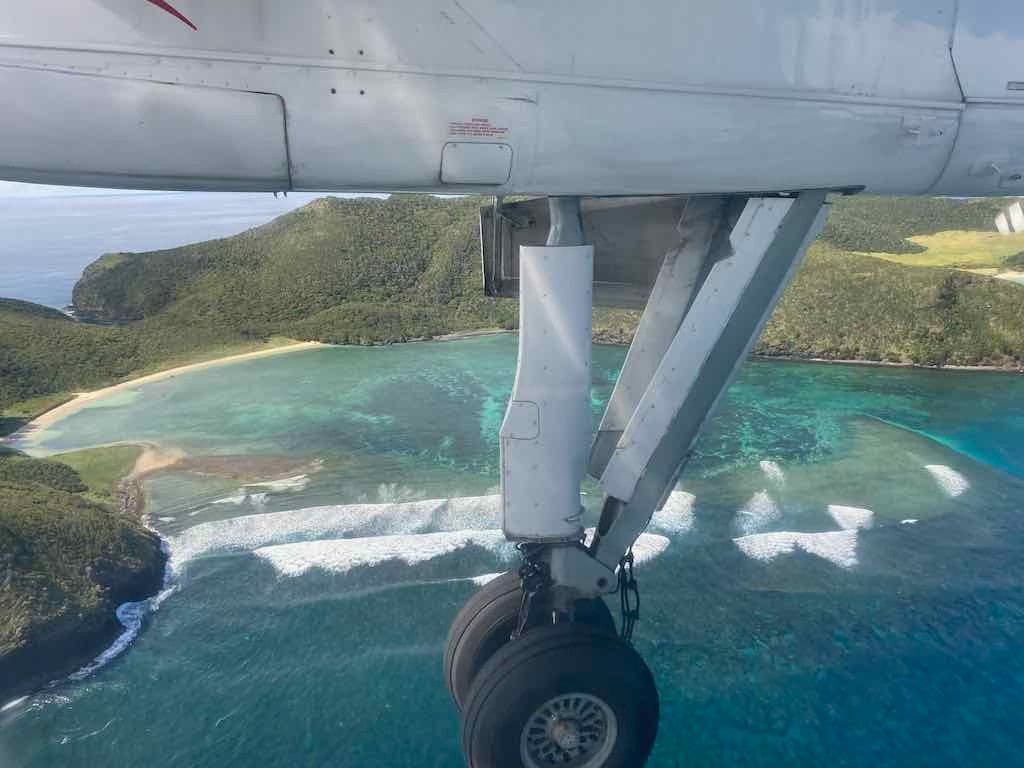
x,y
561,688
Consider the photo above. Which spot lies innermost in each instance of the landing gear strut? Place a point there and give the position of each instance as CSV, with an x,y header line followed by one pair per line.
x,y
533,661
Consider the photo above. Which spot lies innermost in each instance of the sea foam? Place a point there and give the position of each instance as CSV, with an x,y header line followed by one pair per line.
x,y
249,532
294,483
237,498
130,616
851,518
13,703
838,547
648,546
676,517
758,513
773,471
342,555
949,480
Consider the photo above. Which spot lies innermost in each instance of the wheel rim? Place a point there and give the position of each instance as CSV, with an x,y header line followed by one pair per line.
x,y
573,730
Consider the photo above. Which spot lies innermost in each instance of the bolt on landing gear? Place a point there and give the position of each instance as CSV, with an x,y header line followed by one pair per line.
x,y
533,661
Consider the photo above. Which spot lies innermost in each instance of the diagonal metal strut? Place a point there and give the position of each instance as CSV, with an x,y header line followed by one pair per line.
x,y
683,366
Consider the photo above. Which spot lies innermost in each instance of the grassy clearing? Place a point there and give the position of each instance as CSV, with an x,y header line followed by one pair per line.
x,y
846,306
102,468
960,249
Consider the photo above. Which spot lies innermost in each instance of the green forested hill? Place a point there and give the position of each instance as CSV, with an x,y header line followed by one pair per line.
x,y
883,224
68,562
417,253
366,270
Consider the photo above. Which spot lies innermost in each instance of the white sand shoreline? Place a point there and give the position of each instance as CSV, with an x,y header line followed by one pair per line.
x,y
83,399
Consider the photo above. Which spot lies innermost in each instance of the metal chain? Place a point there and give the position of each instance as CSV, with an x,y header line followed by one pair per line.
x,y
629,596
534,577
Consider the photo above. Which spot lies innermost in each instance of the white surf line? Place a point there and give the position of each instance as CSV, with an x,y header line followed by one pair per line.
x,y
13,703
773,471
648,546
676,517
237,498
252,531
949,480
851,518
294,483
131,616
249,532
758,513
838,547
342,555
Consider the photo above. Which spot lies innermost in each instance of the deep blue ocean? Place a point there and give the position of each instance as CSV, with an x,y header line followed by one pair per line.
x,y
49,234
838,580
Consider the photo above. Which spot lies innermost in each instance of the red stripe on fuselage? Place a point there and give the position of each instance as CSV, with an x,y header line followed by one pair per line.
x,y
173,11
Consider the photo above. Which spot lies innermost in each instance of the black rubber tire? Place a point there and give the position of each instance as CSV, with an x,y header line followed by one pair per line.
x,y
553,660
486,622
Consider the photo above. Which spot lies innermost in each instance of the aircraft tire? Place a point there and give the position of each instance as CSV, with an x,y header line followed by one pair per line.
x,y
564,694
486,623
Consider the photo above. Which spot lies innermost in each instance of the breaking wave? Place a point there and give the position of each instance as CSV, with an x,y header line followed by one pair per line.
x,y
851,518
131,616
838,547
758,513
250,532
773,471
649,546
338,538
342,555
950,481
676,516
294,483
237,498
13,703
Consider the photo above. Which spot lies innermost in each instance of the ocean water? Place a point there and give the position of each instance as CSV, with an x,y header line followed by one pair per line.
x,y
838,579
50,234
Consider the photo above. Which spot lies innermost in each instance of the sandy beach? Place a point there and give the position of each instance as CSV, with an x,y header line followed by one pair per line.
x,y
82,399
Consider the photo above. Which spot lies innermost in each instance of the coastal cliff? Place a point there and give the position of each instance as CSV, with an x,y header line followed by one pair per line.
x,y
68,559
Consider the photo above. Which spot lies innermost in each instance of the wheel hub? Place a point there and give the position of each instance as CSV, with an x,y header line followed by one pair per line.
x,y
566,733
574,730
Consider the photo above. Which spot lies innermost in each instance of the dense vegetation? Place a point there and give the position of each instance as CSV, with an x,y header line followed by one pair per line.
x,y
366,271
883,224
406,266
848,306
67,562
52,474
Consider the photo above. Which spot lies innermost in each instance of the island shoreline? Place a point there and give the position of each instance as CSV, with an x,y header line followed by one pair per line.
x,y
890,364
82,399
